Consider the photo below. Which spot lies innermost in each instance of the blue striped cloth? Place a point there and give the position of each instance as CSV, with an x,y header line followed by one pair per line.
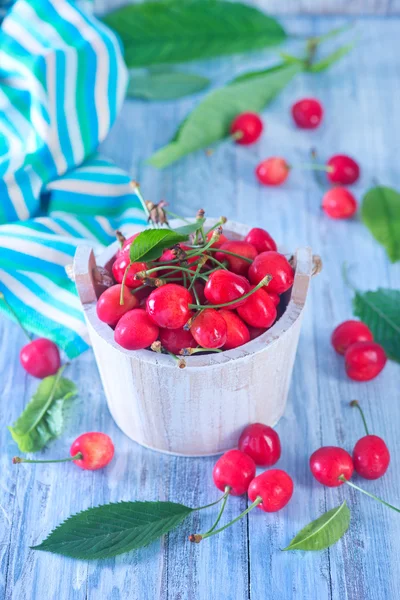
x,y
62,83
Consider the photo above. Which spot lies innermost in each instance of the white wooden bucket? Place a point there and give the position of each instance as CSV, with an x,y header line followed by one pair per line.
x,y
200,409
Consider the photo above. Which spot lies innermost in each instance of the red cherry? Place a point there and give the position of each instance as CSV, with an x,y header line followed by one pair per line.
x,y
235,263
218,244
109,310
199,287
328,463
339,203
364,360
371,457
307,113
40,358
126,246
119,268
276,265
246,128
209,329
223,286
274,297
260,239
169,255
343,169
262,443
234,469
255,332
96,448
135,330
237,333
258,310
274,487
348,333
272,171
175,340
168,306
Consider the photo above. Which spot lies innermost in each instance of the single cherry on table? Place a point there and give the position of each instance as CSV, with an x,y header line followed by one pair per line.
x,y
271,490
342,170
262,443
371,456
339,203
246,128
307,113
235,470
329,463
272,171
348,333
364,360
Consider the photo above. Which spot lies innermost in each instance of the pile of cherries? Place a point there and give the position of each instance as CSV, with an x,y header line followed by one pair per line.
x,y
364,359
214,294
341,170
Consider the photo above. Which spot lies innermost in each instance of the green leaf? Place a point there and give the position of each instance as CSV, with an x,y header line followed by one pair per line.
x,y
42,419
149,244
380,212
209,122
114,528
332,58
166,85
175,32
191,228
380,311
324,531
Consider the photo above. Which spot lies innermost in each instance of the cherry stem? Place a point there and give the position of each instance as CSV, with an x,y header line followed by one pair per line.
x,y
356,404
17,459
221,510
177,216
264,281
222,266
249,260
121,297
136,190
199,537
313,167
221,222
342,478
16,317
213,503
237,135
190,351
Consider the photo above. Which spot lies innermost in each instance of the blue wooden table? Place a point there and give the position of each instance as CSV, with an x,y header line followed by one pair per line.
x,y
361,98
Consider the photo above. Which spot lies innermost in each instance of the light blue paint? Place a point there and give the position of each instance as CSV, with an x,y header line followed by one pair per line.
x,y
360,96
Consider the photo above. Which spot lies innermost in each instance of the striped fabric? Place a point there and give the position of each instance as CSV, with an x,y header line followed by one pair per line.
x,y
62,83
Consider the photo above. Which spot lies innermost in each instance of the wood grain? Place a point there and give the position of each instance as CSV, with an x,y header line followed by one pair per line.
x,y
360,96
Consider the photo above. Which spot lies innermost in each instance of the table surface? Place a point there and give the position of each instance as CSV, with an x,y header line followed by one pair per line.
x,y
360,96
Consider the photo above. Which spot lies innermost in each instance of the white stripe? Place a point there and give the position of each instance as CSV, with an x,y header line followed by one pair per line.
x,y
104,170
53,226
15,146
105,225
57,292
133,213
92,188
53,138
25,231
22,36
37,250
73,222
102,67
16,197
43,308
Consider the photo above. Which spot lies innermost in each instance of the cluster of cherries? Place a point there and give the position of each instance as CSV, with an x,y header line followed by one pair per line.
x,y
341,170
210,296
364,358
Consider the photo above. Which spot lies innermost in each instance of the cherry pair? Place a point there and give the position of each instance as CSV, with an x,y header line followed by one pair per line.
x,y
364,358
333,466
90,451
40,357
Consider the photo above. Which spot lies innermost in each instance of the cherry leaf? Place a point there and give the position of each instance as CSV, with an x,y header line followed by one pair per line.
x,y
149,244
380,212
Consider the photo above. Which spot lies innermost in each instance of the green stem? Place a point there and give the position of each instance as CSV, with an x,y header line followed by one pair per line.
x,y
221,222
356,404
256,502
175,269
313,167
121,296
17,459
249,260
190,351
342,478
136,190
177,216
221,510
16,317
264,281
212,503
218,263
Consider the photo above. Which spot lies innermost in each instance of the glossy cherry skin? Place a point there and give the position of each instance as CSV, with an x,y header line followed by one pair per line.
x,y
272,171
328,463
364,360
169,255
224,286
262,443
168,306
209,329
258,310
274,486
371,457
348,333
339,203
217,244
237,333
247,127
260,239
236,264
126,246
344,170
97,450
175,340
276,265
40,358
274,297
307,113
119,268
135,330
108,307
255,332
236,470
